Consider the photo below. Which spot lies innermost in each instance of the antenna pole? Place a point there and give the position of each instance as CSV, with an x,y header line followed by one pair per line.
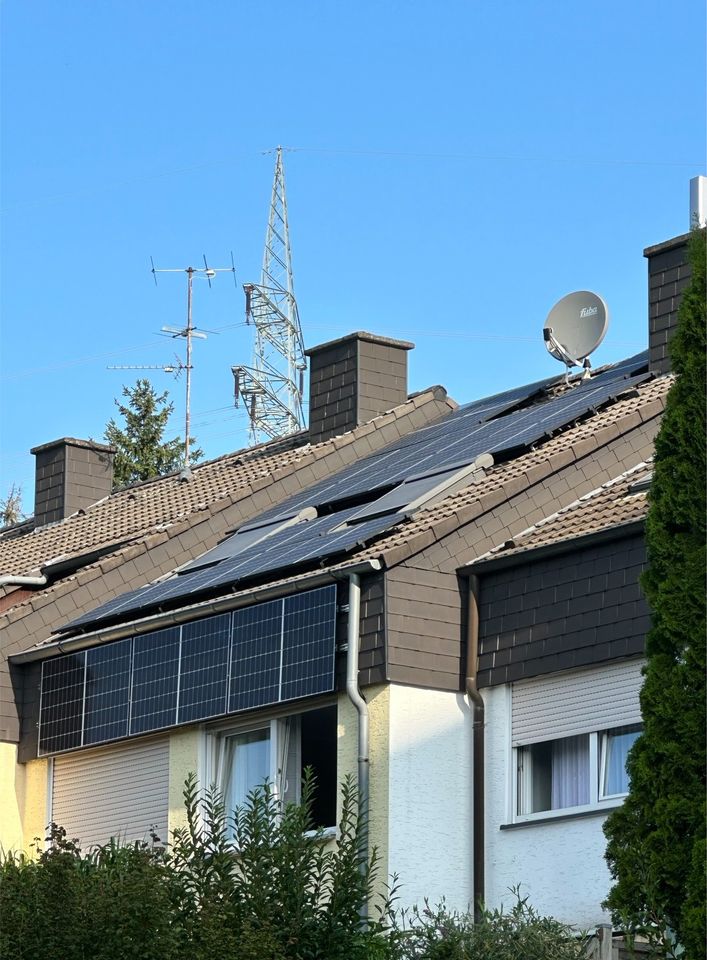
x,y
189,332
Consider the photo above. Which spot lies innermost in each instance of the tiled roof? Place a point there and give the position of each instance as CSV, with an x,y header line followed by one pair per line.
x,y
471,501
621,501
502,480
132,513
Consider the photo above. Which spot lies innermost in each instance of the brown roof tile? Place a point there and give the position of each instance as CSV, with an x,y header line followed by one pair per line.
x,y
132,513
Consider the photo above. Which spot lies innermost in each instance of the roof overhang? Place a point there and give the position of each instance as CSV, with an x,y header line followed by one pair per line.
x,y
532,554
54,648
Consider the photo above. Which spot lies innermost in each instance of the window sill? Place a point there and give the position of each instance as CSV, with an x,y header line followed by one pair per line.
x,y
325,833
561,816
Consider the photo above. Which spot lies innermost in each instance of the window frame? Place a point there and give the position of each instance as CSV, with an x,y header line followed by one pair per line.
x,y
522,771
278,727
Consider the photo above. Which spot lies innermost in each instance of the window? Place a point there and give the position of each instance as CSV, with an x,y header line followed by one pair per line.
x,y
573,772
278,752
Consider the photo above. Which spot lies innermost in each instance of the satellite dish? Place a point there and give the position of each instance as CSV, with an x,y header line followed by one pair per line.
x,y
575,327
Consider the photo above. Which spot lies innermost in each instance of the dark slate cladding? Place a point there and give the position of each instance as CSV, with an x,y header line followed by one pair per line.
x,y
669,272
558,612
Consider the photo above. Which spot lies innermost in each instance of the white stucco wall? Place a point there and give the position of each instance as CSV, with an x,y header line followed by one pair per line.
x,y
429,790
560,865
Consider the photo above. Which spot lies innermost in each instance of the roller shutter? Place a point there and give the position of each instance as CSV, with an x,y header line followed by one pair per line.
x,y
119,791
565,704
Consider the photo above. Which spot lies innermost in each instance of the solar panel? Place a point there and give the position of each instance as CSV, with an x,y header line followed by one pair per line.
x,y
252,657
203,684
308,645
107,694
447,445
61,702
241,540
155,680
255,656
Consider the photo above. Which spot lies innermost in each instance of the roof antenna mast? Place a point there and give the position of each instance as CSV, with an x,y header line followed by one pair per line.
x,y
271,388
189,332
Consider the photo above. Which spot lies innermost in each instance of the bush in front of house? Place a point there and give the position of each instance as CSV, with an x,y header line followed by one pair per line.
x,y
518,933
286,894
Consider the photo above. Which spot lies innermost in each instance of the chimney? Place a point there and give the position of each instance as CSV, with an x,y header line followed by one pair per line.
x,y
354,379
669,273
70,475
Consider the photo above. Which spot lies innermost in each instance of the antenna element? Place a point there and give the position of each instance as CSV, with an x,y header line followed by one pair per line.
x,y
190,332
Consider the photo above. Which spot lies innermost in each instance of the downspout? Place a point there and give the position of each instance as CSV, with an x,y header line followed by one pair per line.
x,y
10,581
477,707
354,694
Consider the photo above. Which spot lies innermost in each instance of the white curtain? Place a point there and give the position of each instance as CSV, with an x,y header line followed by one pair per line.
x,y
246,766
615,776
570,772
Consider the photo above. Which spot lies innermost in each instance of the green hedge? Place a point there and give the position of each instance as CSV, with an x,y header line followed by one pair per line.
x,y
286,895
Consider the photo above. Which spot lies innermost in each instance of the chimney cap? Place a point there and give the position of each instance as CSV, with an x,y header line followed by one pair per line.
x,y
666,245
361,335
73,442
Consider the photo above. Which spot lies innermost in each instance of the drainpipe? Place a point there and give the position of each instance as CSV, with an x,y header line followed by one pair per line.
x,y
10,581
477,707
354,694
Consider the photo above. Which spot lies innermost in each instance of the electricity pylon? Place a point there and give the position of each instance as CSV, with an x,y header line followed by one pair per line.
x,y
271,387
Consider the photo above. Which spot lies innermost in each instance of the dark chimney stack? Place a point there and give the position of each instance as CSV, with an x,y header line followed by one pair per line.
x,y
669,273
354,379
70,475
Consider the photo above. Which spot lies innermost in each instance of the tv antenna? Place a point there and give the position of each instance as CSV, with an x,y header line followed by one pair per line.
x,y
574,328
189,332
271,387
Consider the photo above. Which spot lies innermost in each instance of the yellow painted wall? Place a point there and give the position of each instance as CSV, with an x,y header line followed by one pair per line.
x,y
23,800
184,758
378,699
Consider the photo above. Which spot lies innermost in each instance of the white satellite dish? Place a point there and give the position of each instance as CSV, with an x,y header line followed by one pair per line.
x,y
575,327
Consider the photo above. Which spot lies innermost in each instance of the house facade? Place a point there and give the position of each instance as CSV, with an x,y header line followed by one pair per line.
x,y
309,604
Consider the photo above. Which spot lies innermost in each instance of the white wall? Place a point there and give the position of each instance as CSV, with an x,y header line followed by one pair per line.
x,y
430,830
560,865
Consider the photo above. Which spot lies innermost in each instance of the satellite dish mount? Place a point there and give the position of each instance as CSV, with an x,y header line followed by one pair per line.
x,y
575,327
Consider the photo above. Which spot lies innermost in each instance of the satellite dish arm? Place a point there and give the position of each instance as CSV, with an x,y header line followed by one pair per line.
x,y
557,350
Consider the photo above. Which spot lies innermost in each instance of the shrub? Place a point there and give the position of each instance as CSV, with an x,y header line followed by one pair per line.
x,y
517,934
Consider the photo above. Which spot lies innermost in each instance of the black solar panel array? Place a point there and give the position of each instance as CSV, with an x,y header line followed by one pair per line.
x,y
267,653
492,425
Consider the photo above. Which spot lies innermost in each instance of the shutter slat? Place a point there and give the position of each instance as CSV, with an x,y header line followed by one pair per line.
x,y
116,791
563,705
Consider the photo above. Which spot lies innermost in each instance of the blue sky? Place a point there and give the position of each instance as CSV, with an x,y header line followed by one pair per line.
x,y
459,166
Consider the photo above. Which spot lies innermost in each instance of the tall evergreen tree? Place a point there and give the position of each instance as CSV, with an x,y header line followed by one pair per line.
x,y
141,451
656,840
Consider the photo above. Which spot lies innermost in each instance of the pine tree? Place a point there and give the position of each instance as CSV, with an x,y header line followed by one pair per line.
x,y
656,841
141,451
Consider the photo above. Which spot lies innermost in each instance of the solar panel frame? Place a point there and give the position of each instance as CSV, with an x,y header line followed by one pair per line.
x,y
251,657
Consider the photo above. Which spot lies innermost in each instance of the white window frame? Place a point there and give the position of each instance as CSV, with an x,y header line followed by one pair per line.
x,y
279,729
598,740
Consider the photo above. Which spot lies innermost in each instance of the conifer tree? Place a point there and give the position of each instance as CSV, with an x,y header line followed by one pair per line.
x,y
141,451
656,840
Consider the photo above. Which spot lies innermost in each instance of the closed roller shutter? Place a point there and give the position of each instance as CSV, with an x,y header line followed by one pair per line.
x,y
119,791
563,705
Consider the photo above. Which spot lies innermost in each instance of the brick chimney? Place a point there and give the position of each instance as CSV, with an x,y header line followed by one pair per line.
x,y
70,475
669,273
354,379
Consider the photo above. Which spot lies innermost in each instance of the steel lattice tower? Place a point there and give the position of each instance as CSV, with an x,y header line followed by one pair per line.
x,y
271,388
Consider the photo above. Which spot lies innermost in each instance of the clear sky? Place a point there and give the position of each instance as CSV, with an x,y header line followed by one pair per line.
x,y
456,167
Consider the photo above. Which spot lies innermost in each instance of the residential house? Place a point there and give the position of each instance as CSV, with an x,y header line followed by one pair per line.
x,y
560,640
312,612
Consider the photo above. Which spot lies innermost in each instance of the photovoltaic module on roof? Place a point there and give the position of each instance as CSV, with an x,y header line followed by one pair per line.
x,y
383,484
